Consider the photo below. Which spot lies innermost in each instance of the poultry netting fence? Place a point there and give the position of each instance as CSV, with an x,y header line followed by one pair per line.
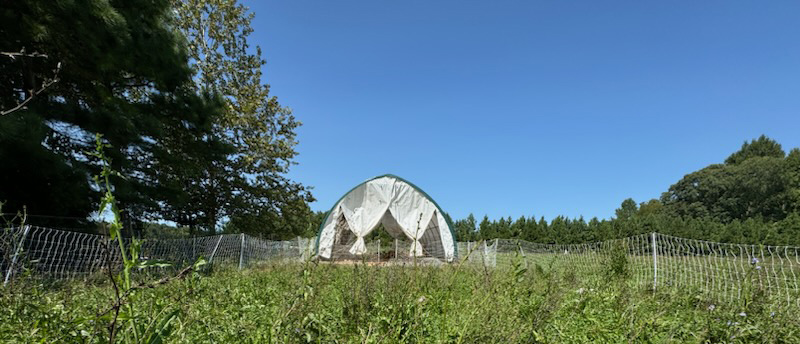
x,y
728,271
57,254
724,270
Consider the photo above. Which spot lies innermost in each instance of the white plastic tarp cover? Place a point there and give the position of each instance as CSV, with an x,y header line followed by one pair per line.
x,y
365,206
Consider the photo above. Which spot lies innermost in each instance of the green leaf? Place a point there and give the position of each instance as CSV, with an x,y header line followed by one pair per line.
x,y
163,329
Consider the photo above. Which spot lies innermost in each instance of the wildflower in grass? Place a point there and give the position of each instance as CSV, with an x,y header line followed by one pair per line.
x,y
754,261
772,315
742,314
758,267
581,291
712,307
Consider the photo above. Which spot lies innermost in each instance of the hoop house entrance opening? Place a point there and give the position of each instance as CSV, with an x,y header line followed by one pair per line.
x,y
415,222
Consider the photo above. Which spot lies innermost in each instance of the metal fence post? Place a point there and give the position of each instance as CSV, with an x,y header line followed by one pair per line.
x,y
494,253
241,252
485,252
655,262
211,259
300,248
16,255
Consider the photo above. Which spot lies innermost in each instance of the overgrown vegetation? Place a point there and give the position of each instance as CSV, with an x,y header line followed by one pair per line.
x,y
120,318
366,304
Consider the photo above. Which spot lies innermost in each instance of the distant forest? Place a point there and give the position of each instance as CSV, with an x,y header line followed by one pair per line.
x,y
753,197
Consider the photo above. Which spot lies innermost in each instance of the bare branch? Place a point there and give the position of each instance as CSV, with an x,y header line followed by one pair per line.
x,y
22,53
45,85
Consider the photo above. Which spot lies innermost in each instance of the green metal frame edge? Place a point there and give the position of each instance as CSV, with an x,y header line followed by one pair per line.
x,y
446,218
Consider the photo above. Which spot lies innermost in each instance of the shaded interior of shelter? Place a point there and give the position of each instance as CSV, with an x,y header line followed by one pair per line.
x,y
397,248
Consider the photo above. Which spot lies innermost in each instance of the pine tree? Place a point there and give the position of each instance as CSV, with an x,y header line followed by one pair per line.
x,y
97,64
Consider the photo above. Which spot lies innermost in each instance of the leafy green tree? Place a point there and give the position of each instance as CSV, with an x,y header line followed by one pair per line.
x,y
755,187
789,230
486,229
651,207
557,227
531,231
756,181
188,166
261,131
518,227
293,217
792,171
627,209
761,147
465,229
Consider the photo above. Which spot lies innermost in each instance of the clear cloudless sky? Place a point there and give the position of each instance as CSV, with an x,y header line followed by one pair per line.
x,y
546,108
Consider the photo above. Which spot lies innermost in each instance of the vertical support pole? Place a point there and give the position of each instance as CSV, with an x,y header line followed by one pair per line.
x,y
211,259
16,254
380,250
300,249
485,252
241,252
395,248
494,253
655,262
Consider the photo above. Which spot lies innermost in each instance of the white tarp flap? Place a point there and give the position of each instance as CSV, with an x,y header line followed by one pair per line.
x,y
413,211
328,233
367,215
447,238
366,206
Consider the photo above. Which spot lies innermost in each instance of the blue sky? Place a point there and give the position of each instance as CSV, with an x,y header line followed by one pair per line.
x,y
545,108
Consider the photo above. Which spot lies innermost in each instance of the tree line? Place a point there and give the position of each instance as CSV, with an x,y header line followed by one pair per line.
x,y
753,197
176,91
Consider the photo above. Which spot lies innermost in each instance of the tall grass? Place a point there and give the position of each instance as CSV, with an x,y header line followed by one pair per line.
x,y
310,303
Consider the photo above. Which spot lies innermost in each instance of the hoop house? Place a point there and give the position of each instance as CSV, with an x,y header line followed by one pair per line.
x,y
406,212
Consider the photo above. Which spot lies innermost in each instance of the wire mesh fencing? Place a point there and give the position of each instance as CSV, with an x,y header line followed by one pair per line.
x,y
57,254
726,271
653,260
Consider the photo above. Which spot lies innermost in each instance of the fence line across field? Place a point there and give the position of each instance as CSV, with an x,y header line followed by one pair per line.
x,y
60,254
727,271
